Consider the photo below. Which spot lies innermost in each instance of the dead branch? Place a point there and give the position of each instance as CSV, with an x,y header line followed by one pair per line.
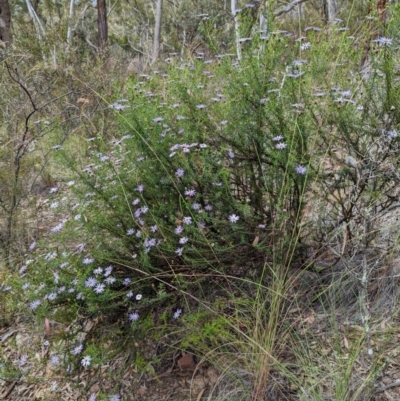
x,y
288,8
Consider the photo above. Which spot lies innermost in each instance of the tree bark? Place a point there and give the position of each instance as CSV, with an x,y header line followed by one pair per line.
x,y
102,24
5,22
70,20
157,31
237,29
264,24
36,21
330,10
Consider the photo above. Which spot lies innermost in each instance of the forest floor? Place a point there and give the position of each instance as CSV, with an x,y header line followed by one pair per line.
x,y
187,377
182,376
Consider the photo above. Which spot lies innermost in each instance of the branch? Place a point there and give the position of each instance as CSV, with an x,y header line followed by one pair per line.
x,y
288,8
91,44
25,140
18,81
391,385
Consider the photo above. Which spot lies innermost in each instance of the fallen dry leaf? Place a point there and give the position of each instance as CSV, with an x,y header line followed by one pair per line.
x,y
309,319
200,394
142,391
83,100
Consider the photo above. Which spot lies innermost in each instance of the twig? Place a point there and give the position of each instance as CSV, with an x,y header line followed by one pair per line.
x,y
384,388
169,370
10,388
288,8
366,316
5,336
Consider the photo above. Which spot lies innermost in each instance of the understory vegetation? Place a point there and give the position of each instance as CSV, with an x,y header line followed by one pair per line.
x,y
245,212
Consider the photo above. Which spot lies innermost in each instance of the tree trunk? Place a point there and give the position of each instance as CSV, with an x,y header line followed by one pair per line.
x,y
329,10
237,29
36,21
157,31
70,21
5,22
264,25
102,24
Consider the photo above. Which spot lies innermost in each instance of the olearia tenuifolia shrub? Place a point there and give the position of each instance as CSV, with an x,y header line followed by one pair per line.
x,y
214,166
200,170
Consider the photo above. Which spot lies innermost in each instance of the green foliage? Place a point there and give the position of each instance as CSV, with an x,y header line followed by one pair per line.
x,y
222,176
193,178
220,155
204,330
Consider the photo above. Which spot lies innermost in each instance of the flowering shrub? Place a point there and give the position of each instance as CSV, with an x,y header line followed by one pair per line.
x,y
183,187
218,165
206,174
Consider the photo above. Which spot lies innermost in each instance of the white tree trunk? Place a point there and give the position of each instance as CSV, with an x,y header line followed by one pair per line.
x,y
69,31
330,10
237,29
157,30
263,25
36,21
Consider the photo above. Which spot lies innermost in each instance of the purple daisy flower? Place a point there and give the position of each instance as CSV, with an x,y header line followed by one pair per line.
x,y
300,169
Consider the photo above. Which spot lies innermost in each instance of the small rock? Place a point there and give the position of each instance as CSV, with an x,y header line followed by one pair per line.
x,y
186,362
